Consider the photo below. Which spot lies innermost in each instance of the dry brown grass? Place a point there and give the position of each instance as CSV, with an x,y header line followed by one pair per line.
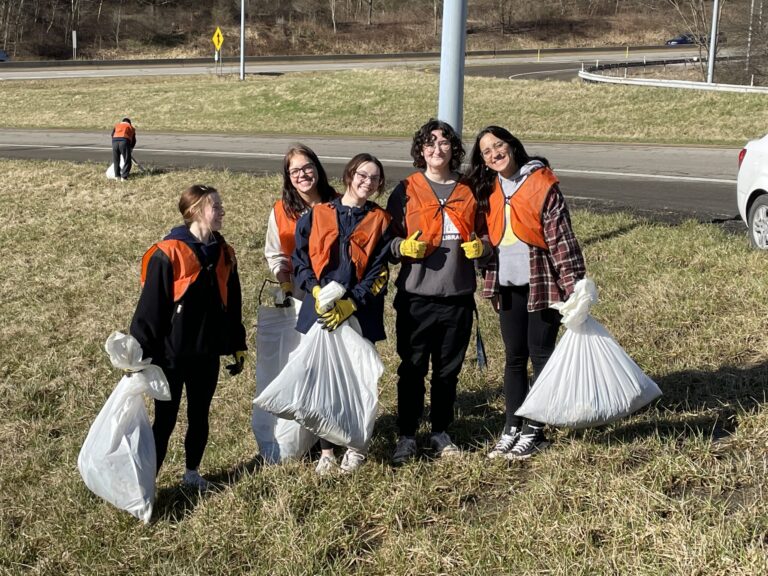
x,y
677,489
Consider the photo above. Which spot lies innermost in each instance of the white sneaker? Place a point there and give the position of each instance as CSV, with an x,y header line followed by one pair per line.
x,y
405,450
352,461
192,479
505,443
443,445
326,465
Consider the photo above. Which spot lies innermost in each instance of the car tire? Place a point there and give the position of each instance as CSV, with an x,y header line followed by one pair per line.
x,y
757,222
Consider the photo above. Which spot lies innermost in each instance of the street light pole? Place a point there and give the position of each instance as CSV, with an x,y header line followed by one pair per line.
x,y
242,39
451,97
713,42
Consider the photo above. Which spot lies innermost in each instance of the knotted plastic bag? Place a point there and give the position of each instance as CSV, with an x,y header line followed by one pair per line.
x,y
589,380
329,385
276,338
110,173
118,459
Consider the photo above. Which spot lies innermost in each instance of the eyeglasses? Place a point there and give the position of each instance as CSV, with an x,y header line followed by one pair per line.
x,y
362,176
443,144
495,147
307,169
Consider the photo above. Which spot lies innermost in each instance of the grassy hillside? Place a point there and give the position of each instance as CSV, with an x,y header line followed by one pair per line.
x,y
677,489
384,103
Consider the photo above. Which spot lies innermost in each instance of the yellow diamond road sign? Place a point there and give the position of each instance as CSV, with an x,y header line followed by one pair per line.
x,y
217,38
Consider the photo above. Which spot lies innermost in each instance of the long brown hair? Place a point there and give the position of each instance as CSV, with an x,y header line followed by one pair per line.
x,y
292,201
193,201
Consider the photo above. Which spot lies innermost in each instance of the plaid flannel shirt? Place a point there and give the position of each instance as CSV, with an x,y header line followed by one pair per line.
x,y
554,271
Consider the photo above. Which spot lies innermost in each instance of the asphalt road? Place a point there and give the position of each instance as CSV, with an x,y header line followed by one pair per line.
x,y
661,182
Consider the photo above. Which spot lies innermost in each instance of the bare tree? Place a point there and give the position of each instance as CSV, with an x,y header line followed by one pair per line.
x,y
333,14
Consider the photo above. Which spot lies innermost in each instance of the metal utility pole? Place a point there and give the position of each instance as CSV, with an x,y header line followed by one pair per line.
x,y
713,42
451,97
749,34
242,39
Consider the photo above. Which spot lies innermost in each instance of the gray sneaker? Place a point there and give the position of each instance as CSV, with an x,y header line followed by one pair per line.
x,y
192,479
405,450
443,446
352,461
505,443
326,465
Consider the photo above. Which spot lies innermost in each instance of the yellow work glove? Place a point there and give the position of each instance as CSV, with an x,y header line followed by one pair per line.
x,y
380,282
237,367
412,247
474,248
336,316
316,295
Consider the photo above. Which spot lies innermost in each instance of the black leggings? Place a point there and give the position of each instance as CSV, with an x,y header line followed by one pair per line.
x,y
526,335
200,375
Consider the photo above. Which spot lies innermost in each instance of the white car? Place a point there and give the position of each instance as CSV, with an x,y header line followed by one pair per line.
x,y
752,190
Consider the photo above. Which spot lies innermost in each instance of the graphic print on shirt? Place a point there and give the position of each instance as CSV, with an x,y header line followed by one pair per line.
x,y
509,237
450,231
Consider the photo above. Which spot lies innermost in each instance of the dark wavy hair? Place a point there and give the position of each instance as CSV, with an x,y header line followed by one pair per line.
x,y
356,162
292,201
424,136
481,177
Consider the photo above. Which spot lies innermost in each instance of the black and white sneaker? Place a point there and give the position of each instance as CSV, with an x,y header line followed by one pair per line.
x,y
531,442
505,443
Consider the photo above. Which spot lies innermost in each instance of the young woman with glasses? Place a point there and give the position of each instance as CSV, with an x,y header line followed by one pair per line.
x,y
433,214
305,185
536,262
347,241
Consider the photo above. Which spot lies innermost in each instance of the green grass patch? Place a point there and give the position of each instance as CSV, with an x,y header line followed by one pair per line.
x,y
676,489
384,103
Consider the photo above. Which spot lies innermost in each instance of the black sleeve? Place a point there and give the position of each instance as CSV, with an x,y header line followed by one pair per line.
x,y
396,209
303,273
235,312
152,319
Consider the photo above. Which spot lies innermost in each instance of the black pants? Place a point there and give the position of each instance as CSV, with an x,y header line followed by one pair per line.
x,y
121,147
200,375
526,335
430,328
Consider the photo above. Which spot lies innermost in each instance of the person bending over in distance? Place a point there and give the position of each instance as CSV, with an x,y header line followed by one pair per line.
x,y
305,184
123,143
188,315
433,215
347,241
536,261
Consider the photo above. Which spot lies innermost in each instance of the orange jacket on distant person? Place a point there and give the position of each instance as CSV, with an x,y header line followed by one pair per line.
x,y
124,130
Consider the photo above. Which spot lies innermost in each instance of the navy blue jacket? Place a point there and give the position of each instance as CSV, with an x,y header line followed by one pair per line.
x,y
370,308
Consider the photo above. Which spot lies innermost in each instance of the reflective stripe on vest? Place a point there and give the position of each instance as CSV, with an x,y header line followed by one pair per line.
x,y
323,238
424,212
186,266
286,229
525,209
124,130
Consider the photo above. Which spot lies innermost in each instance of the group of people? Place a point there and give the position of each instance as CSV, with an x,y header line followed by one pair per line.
x,y
505,218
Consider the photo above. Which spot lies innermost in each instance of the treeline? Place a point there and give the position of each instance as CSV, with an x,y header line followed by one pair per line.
x,y
42,29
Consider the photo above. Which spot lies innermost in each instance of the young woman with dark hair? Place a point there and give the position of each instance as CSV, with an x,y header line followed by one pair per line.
x,y
536,262
305,184
347,241
188,315
433,215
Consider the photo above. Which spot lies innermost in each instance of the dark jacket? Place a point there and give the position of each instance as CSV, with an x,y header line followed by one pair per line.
x,y
370,308
198,324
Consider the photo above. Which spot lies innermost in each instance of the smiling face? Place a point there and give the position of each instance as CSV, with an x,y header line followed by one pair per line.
x,y
303,175
211,216
497,155
437,153
364,184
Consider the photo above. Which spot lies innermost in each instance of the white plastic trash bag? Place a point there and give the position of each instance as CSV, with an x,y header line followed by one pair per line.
x,y
329,385
110,173
118,460
329,294
589,380
276,337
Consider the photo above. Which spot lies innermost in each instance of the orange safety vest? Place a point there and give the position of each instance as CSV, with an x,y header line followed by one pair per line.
x,y
362,241
424,212
124,130
186,266
525,209
286,229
